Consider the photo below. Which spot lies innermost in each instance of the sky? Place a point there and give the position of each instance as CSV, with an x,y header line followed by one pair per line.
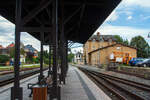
x,y
131,18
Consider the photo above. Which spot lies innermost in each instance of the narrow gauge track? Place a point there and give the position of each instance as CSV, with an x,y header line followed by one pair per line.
x,y
121,88
24,75
137,75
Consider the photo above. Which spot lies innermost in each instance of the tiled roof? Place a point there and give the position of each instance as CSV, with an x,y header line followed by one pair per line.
x,y
10,45
103,37
111,46
30,48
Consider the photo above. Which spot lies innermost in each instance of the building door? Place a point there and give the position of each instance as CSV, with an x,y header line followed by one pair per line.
x,y
89,58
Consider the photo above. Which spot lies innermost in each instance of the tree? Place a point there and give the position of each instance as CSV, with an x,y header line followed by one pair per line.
x,y
70,57
126,42
118,38
12,52
141,45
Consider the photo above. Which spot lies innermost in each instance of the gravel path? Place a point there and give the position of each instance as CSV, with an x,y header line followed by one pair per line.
x,y
124,76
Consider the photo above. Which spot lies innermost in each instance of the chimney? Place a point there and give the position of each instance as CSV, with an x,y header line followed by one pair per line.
x,y
98,33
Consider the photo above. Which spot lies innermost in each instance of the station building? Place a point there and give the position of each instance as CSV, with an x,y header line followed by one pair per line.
x,y
103,49
119,53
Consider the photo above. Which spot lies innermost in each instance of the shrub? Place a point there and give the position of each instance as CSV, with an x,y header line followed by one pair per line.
x,y
4,59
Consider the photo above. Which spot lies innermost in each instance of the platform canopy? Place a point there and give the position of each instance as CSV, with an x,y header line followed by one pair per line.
x,y
81,17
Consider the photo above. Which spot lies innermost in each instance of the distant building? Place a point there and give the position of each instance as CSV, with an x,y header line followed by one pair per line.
x,y
78,58
95,42
3,50
30,51
103,49
6,51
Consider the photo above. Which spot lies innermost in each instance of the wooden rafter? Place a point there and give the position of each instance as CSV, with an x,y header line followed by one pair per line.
x,y
73,14
36,29
35,17
36,11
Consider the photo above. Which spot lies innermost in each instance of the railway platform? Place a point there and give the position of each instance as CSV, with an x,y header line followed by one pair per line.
x,y
78,87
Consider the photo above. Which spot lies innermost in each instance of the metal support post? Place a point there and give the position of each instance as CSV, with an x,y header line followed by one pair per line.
x,y
62,43
66,56
56,90
49,72
16,91
41,58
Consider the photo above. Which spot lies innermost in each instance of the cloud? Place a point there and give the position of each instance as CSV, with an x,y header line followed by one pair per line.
x,y
140,3
125,31
113,16
145,17
28,39
129,18
7,30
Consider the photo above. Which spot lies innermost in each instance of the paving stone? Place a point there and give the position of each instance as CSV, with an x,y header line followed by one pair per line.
x,y
78,87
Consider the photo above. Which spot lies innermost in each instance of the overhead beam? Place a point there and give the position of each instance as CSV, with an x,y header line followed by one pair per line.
x,y
36,11
75,3
101,3
73,14
36,29
35,18
81,14
48,13
70,29
12,2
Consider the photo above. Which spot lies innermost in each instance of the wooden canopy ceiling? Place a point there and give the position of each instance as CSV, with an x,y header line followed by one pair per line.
x,y
81,17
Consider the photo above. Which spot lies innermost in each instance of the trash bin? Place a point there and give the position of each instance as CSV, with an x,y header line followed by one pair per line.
x,y
40,92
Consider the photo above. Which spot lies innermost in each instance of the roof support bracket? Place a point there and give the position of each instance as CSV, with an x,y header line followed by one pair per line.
x,y
36,11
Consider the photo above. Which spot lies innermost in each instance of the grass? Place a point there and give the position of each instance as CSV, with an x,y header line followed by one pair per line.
x,y
10,68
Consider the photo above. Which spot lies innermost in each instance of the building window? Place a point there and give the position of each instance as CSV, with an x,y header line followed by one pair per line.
x,y
110,40
118,48
93,40
93,47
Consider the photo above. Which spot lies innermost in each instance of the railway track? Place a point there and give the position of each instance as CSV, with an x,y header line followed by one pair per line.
x,y
117,88
23,75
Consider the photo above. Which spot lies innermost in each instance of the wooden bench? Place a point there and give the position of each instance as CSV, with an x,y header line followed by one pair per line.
x,y
45,81
30,86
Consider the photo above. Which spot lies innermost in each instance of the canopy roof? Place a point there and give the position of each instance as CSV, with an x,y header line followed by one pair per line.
x,y
81,17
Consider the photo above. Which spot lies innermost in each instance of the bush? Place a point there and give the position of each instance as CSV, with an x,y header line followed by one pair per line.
x,y
35,60
4,59
46,61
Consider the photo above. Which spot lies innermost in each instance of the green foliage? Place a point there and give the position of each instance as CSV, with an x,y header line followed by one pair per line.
x,y
46,57
70,57
141,45
46,60
35,60
22,52
118,38
126,42
45,54
12,52
4,58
